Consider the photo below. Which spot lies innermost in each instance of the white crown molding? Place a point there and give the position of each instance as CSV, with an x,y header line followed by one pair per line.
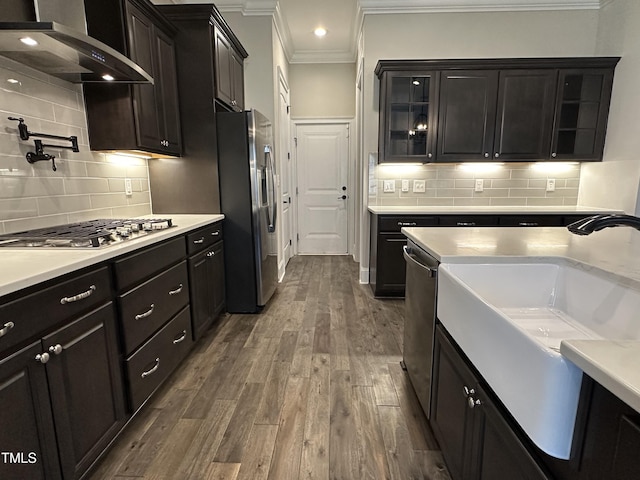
x,y
248,7
283,32
438,6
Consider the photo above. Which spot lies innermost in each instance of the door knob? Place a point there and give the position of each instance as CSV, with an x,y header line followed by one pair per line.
x,y
344,188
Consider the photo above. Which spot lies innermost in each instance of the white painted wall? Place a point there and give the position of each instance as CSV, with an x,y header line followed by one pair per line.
x,y
614,183
323,90
255,34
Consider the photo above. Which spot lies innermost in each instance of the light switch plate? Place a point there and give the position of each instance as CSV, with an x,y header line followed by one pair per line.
x,y
389,186
479,185
128,190
405,185
418,186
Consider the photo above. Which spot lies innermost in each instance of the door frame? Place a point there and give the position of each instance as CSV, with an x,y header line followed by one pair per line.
x,y
349,122
281,150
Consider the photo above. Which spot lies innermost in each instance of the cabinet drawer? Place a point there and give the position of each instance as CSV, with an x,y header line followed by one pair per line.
x,y
468,221
35,313
135,268
394,224
531,221
204,237
149,366
147,307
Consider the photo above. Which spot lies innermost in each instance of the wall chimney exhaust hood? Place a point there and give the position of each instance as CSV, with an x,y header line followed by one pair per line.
x,y
50,36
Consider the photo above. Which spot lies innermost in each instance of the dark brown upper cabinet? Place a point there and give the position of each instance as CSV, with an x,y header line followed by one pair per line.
x,y
467,115
229,70
582,107
490,115
494,109
140,117
407,126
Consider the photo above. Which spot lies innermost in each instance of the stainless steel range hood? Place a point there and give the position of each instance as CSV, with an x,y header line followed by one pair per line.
x,y
62,48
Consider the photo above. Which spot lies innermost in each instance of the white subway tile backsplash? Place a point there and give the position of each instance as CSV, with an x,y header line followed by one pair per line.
x,y
18,208
86,185
505,184
68,203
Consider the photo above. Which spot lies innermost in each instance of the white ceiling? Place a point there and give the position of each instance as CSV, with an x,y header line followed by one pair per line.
x,y
296,19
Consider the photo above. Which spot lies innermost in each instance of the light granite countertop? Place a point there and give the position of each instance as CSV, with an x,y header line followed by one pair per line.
x,y
24,267
486,210
613,364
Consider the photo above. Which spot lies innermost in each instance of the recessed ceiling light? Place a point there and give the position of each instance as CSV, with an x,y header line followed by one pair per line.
x,y
320,32
28,41
107,77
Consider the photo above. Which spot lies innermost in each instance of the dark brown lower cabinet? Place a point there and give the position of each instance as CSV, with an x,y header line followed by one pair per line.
x,y
73,396
612,438
27,436
206,281
477,441
85,383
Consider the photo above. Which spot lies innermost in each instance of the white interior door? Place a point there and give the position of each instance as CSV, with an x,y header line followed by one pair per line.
x,y
322,155
284,149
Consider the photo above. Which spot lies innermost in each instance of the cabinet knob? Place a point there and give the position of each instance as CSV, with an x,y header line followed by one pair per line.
x,y
429,155
55,349
473,402
164,143
468,391
554,154
486,155
497,155
42,357
211,253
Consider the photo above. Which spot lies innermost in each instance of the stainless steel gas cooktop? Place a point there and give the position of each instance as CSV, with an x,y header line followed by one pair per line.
x,y
89,234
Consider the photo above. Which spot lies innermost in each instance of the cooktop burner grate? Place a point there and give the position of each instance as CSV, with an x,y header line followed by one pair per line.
x,y
92,233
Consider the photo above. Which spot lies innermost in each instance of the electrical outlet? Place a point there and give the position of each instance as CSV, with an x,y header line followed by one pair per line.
x,y
479,185
405,185
418,186
389,186
128,190
551,184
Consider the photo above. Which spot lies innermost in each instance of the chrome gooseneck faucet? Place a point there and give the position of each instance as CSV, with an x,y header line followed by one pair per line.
x,y
586,226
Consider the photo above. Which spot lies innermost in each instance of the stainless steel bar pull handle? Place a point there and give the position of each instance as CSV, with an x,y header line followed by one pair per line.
x,y
271,190
79,296
153,369
6,327
176,291
145,314
180,338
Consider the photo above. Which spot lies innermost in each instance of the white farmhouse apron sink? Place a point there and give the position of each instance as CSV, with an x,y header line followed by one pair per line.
x,y
509,319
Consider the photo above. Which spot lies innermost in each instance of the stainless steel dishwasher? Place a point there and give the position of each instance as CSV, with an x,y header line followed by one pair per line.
x,y
420,320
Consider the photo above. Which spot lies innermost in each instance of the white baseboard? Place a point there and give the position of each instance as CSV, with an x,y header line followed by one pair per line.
x,y
364,275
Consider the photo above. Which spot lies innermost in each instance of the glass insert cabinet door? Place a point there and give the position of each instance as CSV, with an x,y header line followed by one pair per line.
x,y
408,117
581,114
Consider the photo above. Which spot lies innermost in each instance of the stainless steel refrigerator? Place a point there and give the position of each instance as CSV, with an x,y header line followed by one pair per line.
x,y
248,202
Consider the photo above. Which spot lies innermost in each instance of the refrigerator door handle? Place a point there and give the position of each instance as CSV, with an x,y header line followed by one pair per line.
x,y
271,190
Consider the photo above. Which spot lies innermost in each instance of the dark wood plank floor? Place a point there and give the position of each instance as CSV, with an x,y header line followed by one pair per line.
x,y
311,388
